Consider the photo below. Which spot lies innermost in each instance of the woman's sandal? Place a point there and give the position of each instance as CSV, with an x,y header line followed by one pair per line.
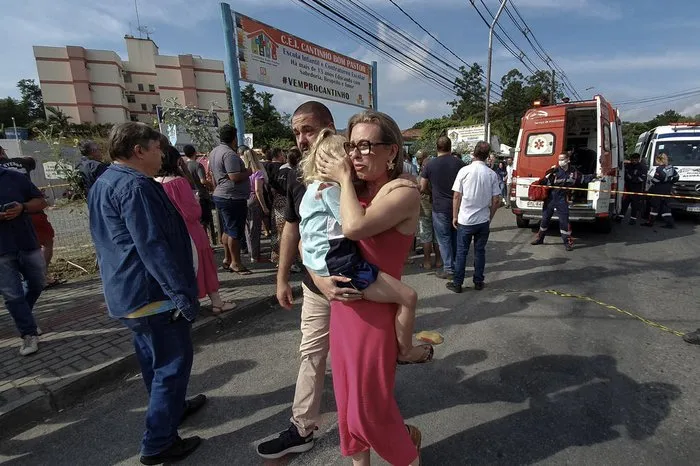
x,y
227,306
427,356
241,271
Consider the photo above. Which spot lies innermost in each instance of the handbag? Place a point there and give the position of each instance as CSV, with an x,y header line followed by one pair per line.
x,y
538,191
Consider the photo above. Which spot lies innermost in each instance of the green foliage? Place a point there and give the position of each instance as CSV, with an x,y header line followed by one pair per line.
x,y
262,118
56,141
9,108
632,130
193,121
32,100
470,92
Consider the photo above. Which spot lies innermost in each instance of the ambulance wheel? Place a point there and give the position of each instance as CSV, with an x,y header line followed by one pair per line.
x,y
522,222
604,225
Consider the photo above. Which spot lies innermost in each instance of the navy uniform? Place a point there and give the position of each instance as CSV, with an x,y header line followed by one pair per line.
x,y
661,180
558,200
635,181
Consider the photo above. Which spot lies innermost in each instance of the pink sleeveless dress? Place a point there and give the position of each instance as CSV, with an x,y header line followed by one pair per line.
x,y
182,196
363,357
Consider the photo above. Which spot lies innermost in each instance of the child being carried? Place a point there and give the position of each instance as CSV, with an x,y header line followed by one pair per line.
x,y
327,252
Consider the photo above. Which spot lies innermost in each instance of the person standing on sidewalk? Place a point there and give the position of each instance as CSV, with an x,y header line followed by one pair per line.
x,y
20,254
91,165
199,176
509,180
147,268
477,197
441,172
231,195
307,122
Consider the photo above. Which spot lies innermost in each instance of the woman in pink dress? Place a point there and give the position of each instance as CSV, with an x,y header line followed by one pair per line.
x,y
179,189
362,335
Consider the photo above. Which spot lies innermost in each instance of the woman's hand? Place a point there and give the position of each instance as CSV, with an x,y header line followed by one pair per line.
x,y
336,167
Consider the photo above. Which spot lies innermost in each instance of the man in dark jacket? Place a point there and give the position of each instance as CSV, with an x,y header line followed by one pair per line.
x,y
561,176
635,179
91,165
662,178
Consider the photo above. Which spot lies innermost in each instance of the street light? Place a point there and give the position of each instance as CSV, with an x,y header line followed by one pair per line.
x,y
19,146
488,71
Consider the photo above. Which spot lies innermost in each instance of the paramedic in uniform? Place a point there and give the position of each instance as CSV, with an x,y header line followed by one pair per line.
x,y
565,176
635,179
662,177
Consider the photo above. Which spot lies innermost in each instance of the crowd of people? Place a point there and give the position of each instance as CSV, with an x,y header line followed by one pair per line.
x,y
347,206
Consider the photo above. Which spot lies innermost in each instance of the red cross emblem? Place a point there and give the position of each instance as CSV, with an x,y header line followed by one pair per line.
x,y
539,144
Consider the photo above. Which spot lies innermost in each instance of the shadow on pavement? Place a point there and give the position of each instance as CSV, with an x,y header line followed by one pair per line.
x,y
573,401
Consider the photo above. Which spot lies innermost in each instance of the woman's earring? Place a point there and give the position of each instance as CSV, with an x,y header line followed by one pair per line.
x,y
390,165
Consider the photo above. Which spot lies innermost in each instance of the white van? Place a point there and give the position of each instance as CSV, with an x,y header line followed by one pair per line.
x,y
681,142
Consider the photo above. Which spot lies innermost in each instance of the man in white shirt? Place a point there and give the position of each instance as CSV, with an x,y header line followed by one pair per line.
x,y
477,196
509,180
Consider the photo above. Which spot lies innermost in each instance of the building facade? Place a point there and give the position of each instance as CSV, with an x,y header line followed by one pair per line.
x,y
96,86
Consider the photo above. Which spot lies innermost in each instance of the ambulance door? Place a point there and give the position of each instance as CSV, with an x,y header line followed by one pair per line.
x,y
599,196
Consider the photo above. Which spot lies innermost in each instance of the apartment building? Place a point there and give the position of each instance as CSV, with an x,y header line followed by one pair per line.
x,y
97,86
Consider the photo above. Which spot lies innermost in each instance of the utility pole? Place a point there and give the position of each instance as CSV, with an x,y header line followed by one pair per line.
x,y
487,133
553,93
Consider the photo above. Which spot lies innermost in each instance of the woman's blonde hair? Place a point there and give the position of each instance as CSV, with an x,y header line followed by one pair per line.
x,y
327,142
391,133
252,162
662,158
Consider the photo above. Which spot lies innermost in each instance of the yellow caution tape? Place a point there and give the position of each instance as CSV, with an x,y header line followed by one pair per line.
x,y
672,196
561,294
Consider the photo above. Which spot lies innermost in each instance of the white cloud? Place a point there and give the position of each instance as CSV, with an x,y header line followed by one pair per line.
x,y
624,63
691,110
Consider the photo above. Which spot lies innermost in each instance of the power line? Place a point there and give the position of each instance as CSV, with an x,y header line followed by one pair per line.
x,y
527,31
439,42
414,68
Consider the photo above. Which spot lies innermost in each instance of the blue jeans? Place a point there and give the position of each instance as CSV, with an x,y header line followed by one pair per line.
x,y
562,207
233,213
164,351
446,237
465,233
16,267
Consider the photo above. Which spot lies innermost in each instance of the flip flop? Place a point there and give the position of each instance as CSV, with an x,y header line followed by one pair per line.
x,y
426,358
227,306
241,271
430,336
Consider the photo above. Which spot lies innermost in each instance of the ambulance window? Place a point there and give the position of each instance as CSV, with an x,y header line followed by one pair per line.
x,y
606,138
540,144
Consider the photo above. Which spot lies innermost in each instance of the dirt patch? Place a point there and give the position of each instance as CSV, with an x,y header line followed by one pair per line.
x,y
76,266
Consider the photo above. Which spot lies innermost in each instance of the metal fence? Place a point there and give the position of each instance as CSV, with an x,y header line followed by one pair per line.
x,y
70,222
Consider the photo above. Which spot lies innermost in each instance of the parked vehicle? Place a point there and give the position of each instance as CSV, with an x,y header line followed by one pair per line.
x,y
591,131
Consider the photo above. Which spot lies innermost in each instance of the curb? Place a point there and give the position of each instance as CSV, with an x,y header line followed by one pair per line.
x,y
38,406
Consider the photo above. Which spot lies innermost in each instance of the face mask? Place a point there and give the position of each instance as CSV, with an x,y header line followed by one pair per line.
x,y
563,164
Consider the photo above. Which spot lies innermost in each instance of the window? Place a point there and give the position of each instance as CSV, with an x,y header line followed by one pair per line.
x,y
144,107
134,118
151,88
127,77
606,138
131,98
141,87
154,108
540,144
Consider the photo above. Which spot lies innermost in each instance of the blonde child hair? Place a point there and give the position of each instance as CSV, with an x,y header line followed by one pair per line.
x,y
327,142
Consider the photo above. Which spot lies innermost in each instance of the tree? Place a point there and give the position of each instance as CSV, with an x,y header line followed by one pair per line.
x,y
31,99
514,103
193,121
262,118
10,108
471,92
58,118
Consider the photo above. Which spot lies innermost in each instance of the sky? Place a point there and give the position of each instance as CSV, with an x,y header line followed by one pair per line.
x,y
621,49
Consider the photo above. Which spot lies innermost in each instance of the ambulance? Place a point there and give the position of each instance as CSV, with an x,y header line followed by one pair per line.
x,y
681,143
592,131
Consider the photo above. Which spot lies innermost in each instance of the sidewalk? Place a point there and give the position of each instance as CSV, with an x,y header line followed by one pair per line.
x,y
82,349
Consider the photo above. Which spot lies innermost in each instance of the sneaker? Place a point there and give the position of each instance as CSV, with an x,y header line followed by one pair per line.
x,y
569,247
692,337
479,286
181,449
452,286
288,441
444,275
30,345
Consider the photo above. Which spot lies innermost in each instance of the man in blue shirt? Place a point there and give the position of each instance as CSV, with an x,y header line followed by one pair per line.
x,y
147,269
20,254
91,165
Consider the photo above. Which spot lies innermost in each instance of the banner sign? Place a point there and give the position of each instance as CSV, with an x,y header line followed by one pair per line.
x,y
274,58
466,134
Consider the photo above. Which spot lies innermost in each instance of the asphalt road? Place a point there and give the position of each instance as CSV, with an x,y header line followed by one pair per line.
x,y
522,377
